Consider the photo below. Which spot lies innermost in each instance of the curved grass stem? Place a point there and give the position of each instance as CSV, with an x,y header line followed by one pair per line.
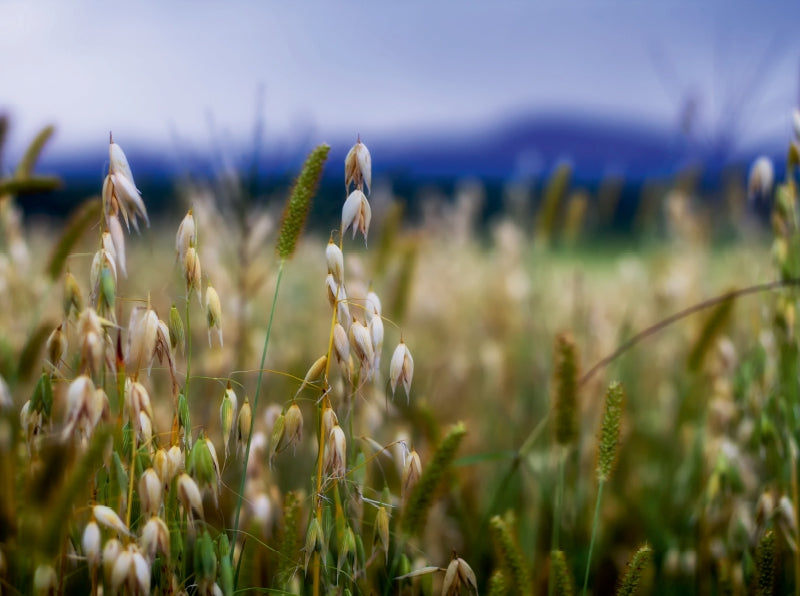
x,y
594,534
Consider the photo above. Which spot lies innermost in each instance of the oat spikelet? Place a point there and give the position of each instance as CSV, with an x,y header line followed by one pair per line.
x,y
508,552
608,446
565,390
561,578
296,209
423,494
630,582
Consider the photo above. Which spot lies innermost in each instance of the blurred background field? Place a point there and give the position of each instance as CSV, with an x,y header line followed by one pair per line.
x,y
521,193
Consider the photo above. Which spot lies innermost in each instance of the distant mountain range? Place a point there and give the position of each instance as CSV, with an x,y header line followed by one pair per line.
x,y
522,147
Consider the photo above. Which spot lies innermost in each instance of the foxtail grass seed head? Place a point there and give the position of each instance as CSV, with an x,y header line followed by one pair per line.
x,y
608,445
335,260
335,462
186,236
213,313
192,273
633,575
294,427
296,209
358,167
244,424
73,299
459,579
401,369
356,213
760,179
177,334
90,543
561,578
565,390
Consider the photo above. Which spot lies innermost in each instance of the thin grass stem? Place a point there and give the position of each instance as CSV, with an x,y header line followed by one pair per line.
x,y
240,497
594,534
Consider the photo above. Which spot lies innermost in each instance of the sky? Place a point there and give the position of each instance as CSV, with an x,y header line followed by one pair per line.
x,y
152,72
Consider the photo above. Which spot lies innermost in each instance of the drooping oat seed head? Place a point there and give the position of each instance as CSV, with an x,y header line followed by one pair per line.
x,y
342,309
329,418
137,400
227,413
356,213
380,536
119,189
92,339
313,373
203,465
189,496
412,470
294,427
296,209
192,273
332,289
361,342
372,305
335,260
375,326
315,542
111,550
45,580
459,579
163,352
56,346
73,299
177,335
401,369
79,401
118,242
358,167
154,539
335,462
341,347
142,336
150,491
90,543
107,517
760,179
213,313
245,423
186,236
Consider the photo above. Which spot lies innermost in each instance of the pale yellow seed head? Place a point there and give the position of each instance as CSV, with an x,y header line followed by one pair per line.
x,y
335,260
401,368
356,213
90,543
358,166
192,272
150,491
294,426
213,313
189,495
335,462
186,236
155,538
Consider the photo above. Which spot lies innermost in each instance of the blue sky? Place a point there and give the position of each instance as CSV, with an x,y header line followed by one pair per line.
x,y
151,70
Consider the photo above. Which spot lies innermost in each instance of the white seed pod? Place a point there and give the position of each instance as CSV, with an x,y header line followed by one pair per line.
x,y
376,336
760,178
335,260
136,400
293,427
155,538
335,462
358,166
80,397
372,305
342,309
192,273
361,342
45,580
189,495
401,369
129,199
332,289
177,462
90,543
357,213
122,570
141,570
459,578
107,517
342,347
142,336
186,236
150,491
329,420
213,313
111,550
412,470
118,241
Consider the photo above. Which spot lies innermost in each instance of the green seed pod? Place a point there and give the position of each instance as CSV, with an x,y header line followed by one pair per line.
x,y
177,335
205,560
